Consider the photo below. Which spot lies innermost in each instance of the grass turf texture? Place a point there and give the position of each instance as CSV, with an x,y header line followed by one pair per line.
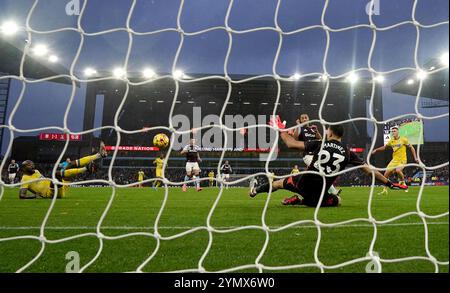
x,y
137,209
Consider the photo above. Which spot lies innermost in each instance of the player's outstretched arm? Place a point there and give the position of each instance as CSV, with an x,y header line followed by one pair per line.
x,y
297,129
380,149
23,194
290,142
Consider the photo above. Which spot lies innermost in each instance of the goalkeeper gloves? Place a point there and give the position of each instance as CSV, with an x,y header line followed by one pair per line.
x,y
275,121
396,186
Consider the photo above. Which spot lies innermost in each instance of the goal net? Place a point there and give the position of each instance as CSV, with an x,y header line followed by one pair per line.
x,y
330,26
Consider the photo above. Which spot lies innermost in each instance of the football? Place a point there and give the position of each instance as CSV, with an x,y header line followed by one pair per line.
x,y
161,140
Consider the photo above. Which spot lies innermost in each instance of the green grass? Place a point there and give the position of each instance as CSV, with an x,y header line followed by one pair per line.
x,y
135,210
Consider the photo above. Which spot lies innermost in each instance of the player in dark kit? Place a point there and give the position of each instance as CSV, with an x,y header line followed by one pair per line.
x,y
309,133
192,167
13,168
226,171
334,158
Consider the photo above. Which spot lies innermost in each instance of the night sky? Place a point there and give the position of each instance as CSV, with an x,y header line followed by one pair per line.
x,y
252,53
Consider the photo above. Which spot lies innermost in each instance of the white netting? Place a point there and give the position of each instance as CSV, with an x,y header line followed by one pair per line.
x,y
370,220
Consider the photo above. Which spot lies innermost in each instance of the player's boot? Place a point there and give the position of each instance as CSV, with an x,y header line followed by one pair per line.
x,y
199,189
404,183
294,200
253,185
103,152
184,188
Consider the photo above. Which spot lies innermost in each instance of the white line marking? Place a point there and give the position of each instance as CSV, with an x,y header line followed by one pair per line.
x,y
218,228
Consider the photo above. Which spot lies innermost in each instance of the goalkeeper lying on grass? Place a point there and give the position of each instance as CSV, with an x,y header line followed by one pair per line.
x,y
45,188
334,157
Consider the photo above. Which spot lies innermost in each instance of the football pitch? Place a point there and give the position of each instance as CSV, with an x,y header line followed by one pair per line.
x,y
131,217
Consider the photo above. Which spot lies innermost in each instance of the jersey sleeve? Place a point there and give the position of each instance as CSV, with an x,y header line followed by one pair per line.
x,y
354,160
405,141
313,146
24,182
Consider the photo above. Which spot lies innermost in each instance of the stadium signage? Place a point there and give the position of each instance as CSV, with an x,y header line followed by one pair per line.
x,y
133,148
59,137
412,128
243,132
357,150
155,149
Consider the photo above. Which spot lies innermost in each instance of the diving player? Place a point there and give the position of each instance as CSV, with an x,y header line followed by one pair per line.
x,y
40,187
334,157
308,133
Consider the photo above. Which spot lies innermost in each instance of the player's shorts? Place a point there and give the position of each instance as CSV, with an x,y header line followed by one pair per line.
x,y
311,190
12,176
191,166
62,189
159,173
397,163
226,176
308,159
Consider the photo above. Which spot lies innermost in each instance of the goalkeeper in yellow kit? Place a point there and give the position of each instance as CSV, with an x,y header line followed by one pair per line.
x,y
40,187
399,158
159,162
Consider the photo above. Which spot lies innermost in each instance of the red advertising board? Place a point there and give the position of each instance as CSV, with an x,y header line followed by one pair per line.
x,y
59,137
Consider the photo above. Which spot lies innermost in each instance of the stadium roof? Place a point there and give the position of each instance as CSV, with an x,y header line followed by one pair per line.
x,y
434,87
10,59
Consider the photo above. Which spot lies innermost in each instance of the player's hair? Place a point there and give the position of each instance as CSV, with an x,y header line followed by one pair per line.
x,y
395,127
338,130
303,114
27,162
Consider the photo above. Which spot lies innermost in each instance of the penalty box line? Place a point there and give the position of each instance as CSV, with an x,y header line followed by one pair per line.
x,y
18,228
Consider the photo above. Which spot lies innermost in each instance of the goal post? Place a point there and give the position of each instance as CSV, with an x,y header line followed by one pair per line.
x,y
34,49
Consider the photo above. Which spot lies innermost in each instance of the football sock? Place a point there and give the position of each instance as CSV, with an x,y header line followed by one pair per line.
x,y
186,179
263,188
158,184
69,173
85,161
197,181
333,190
